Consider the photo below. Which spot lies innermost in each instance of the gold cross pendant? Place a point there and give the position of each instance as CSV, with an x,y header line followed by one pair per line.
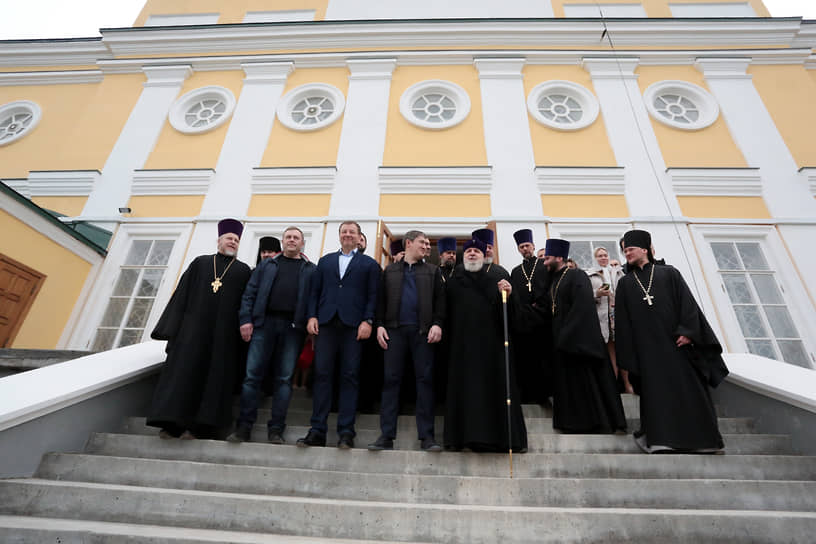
x,y
648,298
217,283
529,287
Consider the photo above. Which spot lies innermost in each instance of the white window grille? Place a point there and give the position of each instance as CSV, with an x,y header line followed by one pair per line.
x,y
202,110
18,119
435,104
311,107
563,105
682,105
758,303
134,293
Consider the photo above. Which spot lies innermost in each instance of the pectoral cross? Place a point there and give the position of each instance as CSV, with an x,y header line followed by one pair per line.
x,y
217,283
529,287
648,298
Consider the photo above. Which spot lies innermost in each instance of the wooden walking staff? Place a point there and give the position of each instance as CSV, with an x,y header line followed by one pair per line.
x,y
507,378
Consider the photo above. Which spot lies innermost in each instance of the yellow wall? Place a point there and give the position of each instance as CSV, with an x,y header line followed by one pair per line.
x,y
584,205
657,8
232,11
711,147
165,206
735,207
288,147
789,94
409,145
290,205
79,125
402,205
175,149
586,147
67,205
65,275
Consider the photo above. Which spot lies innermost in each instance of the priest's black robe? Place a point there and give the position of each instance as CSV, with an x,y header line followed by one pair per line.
x,y
204,347
675,404
585,394
532,334
476,409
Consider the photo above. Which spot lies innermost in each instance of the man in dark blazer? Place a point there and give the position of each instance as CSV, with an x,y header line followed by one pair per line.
x,y
341,313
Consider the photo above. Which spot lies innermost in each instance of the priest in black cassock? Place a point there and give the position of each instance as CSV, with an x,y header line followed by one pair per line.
x,y
494,270
585,394
193,398
446,247
476,410
672,355
532,335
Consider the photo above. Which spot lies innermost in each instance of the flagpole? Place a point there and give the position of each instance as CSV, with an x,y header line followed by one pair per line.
x,y
507,379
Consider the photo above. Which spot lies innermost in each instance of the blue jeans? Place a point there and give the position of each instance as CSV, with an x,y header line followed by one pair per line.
x,y
336,342
406,341
275,345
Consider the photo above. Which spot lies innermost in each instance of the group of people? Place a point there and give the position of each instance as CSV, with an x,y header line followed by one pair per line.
x,y
543,331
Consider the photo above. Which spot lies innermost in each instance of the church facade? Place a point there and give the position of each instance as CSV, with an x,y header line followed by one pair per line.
x,y
579,120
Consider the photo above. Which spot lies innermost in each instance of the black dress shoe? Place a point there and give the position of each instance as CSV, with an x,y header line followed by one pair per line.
x,y
429,444
274,437
241,434
312,438
346,441
382,443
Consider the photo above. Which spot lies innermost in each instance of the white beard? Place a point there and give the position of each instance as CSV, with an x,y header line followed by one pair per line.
x,y
229,253
473,266
488,260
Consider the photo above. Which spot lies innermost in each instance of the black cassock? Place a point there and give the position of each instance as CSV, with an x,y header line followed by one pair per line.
x,y
204,347
476,409
532,335
585,394
675,405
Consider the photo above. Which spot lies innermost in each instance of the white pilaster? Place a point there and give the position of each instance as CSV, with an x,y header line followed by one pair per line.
x,y
631,136
112,190
507,139
244,145
362,141
755,133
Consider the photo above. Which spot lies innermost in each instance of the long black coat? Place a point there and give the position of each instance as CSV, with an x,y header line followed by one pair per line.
x,y
476,410
204,347
675,404
585,396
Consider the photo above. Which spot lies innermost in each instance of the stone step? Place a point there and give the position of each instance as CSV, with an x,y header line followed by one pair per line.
x,y
743,444
25,530
394,521
411,488
530,465
407,423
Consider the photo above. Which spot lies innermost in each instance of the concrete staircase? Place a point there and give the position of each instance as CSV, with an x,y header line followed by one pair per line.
x,y
133,487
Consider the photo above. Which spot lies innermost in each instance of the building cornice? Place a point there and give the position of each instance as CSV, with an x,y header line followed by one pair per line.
x,y
580,181
758,32
62,182
435,180
62,77
72,52
716,181
306,180
808,174
172,182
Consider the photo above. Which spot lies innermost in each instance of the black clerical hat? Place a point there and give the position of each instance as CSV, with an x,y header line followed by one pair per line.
x,y
637,238
556,247
269,243
523,236
446,244
475,242
230,225
485,235
396,247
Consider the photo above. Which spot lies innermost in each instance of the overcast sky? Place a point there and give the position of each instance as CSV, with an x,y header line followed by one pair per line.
x,y
22,19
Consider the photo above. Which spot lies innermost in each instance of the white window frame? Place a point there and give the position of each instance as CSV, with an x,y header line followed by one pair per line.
x,y
623,9
587,232
255,230
310,90
9,109
589,104
179,108
793,292
711,9
453,91
182,19
706,103
97,303
279,16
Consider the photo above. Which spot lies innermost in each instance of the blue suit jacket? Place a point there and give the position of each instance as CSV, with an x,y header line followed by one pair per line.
x,y
353,298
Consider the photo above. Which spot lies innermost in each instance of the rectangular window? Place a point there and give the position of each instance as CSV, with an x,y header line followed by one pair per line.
x,y
758,303
714,9
134,292
279,16
183,19
583,252
605,10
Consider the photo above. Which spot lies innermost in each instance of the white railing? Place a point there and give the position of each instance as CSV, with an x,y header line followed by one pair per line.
x,y
29,395
788,383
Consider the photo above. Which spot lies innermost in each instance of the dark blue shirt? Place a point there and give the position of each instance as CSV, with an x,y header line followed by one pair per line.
x,y
409,311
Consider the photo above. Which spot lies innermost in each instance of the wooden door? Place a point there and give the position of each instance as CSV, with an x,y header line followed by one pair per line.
x,y
492,226
382,251
19,285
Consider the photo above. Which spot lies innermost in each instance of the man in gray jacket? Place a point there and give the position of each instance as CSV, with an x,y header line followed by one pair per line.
x,y
410,312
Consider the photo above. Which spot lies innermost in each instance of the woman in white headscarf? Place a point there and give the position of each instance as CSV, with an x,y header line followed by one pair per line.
x,y
604,279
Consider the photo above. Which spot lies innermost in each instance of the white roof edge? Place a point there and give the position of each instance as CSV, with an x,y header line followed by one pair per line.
x,y
785,382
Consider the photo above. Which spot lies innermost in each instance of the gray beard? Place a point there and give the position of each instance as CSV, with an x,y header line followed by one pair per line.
x,y
488,260
228,253
473,266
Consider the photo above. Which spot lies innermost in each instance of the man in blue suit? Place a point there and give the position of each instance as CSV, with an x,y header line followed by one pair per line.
x,y
341,312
